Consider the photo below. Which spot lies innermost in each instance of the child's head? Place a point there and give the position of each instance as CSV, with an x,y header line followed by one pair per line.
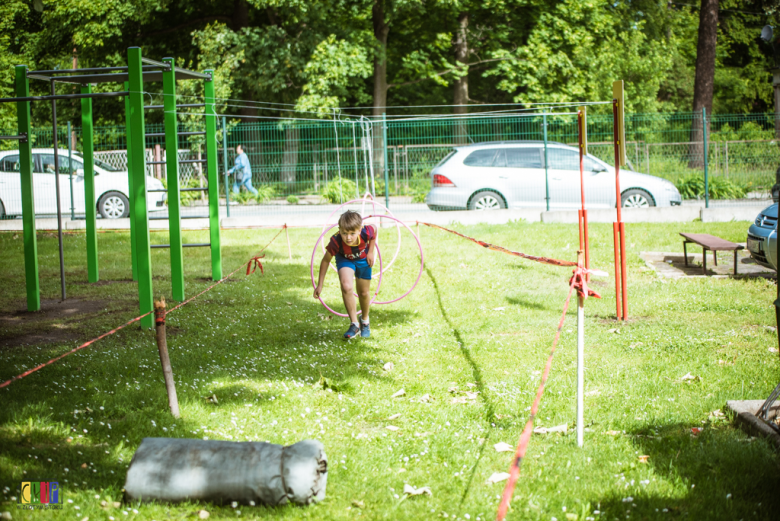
x,y
350,224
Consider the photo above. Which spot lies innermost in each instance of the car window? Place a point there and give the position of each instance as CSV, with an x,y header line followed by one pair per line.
x,y
480,158
47,164
563,159
528,157
445,159
38,165
592,166
9,163
64,165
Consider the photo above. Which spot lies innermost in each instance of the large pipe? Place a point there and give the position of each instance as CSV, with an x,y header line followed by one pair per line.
x,y
250,473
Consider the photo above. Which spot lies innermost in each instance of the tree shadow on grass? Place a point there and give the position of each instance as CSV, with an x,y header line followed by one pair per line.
x,y
726,475
526,303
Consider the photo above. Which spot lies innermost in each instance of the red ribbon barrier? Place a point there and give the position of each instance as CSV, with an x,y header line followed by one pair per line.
x,y
253,267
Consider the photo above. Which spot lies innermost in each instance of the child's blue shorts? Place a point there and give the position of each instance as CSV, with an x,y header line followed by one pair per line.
x,y
359,266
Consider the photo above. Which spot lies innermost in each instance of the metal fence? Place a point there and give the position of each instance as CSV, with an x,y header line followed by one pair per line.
x,y
309,166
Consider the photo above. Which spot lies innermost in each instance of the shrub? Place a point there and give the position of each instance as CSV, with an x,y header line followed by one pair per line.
x,y
339,191
292,199
692,187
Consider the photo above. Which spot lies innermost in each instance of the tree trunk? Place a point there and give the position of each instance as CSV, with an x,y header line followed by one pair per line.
x,y
705,77
381,30
461,84
241,20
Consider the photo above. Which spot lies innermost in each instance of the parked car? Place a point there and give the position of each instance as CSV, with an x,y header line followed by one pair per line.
x,y
762,238
511,174
111,189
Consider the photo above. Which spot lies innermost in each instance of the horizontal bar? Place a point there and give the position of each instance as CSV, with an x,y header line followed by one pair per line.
x,y
162,134
121,77
82,71
165,217
154,62
155,134
194,245
156,162
66,96
182,106
163,190
21,138
195,190
193,160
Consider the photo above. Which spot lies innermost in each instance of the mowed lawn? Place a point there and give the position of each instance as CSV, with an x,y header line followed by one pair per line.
x,y
478,321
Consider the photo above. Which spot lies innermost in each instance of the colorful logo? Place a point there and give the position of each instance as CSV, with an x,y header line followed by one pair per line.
x,y
40,494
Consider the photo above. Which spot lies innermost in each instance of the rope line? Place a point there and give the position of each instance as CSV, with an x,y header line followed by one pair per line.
x,y
543,260
254,259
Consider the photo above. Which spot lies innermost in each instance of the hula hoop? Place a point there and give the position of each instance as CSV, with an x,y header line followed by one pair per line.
x,y
363,200
314,284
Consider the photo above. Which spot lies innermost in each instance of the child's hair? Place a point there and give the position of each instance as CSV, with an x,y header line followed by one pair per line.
x,y
350,220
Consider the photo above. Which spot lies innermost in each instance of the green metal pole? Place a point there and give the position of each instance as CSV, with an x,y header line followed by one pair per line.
x,y
28,204
546,176
225,165
130,196
172,176
706,158
70,173
90,213
384,146
212,174
138,212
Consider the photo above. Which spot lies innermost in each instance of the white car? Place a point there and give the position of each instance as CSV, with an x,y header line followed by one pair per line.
x,y
511,174
111,188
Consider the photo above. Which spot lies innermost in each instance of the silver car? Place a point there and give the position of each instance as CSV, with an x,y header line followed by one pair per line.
x,y
511,174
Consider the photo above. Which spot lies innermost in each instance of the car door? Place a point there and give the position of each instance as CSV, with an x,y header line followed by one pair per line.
x,y
45,194
481,170
524,175
77,183
47,165
11,184
564,178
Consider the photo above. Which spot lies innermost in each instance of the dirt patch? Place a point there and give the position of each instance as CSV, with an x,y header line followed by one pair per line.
x,y
53,310
103,282
208,279
54,335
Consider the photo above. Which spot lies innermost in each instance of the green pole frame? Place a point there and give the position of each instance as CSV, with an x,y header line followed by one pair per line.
x,y
130,196
212,174
384,146
28,199
138,213
706,158
90,210
172,177
70,173
546,174
225,165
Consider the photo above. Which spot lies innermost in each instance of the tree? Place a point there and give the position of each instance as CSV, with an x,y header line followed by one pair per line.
x,y
705,76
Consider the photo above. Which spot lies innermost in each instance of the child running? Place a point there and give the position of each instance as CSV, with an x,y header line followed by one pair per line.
x,y
353,248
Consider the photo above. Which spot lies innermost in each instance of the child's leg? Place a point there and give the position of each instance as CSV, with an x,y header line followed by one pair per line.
x,y
346,279
364,295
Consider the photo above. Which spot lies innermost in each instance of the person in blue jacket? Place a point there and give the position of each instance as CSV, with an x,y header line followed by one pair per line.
x,y
242,171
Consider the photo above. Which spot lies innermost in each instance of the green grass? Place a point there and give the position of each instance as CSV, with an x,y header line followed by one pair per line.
x,y
260,343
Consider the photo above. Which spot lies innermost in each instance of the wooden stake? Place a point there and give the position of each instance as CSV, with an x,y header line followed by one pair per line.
x,y
165,361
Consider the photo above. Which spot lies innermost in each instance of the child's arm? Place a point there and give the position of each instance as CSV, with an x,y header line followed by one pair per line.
x,y
323,271
371,247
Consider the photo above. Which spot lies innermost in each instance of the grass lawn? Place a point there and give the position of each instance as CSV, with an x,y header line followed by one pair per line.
x,y
479,321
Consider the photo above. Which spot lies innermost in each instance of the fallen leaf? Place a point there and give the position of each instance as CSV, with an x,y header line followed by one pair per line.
x,y
398,394
203,514
422,434
497,477
288,303
471,385
499,309
695,431
643,459
426,398
571,517
615,330
594,392
459,399
503,447
358,504
452,390
411,491
471,395
83,465
773,350
325,384
394,416
547,430
612,433
391,428
388,366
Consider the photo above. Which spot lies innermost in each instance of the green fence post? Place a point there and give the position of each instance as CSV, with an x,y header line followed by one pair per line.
x,y
138,213
172,178
28,204
70,172
384,147
212,174
706,158
90,213
225,165
546,177
130,196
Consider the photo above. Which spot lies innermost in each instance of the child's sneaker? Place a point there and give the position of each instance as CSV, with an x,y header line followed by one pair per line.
x,y
365,329
352,332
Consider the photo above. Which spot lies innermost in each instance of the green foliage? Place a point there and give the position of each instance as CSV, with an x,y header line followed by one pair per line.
x,y
264,194
292,199
692,187
185,198
339,190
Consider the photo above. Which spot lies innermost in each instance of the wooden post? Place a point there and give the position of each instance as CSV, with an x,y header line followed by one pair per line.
x,y
289,251
165,361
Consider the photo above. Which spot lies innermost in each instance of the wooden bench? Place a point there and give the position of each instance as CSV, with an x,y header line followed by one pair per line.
x,y
711,243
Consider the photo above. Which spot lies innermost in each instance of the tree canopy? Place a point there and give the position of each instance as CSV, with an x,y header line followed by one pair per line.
x,y
287,57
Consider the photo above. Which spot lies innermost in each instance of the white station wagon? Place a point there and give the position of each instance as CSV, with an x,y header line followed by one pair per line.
x,y
511,174
111,188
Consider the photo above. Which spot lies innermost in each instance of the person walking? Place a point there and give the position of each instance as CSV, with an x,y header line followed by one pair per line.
x,y
242,171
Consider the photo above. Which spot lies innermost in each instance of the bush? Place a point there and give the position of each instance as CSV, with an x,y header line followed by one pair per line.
x,y
339,191
264,193
185,198
692,187
292,199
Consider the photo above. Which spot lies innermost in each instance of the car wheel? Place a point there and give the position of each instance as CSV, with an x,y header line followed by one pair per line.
x,y
636,198
487,200
113,205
